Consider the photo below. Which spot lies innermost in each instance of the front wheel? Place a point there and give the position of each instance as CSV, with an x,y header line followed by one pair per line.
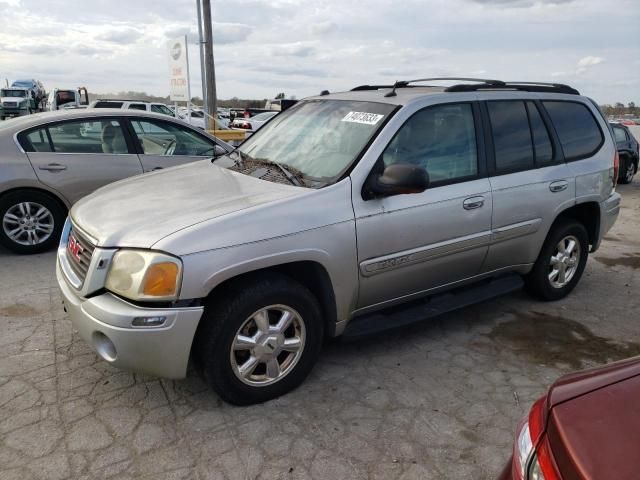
x,y
261,341
561,262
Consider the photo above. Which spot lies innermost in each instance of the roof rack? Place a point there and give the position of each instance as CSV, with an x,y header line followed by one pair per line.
x,y
521,86
405,83
478,84
370,87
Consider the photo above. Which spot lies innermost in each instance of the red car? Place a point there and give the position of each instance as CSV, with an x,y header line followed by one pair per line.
x,y
587,426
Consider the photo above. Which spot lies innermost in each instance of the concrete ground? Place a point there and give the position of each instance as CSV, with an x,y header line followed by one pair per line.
x,y
437,400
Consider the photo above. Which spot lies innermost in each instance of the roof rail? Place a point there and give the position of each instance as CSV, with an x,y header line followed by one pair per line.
x,y
370,87
405,83
521,86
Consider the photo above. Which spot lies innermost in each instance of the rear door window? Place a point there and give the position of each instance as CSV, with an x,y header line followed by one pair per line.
x,y
577,129
88,136
511,136
137,106
542,146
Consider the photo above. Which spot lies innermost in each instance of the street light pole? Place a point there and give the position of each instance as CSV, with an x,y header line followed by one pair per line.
x,y
202,73
209,65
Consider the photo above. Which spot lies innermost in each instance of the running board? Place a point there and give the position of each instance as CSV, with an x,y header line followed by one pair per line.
x,y
429,307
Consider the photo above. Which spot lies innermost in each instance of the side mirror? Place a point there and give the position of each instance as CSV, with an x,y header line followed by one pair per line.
x,y
218,151
398,179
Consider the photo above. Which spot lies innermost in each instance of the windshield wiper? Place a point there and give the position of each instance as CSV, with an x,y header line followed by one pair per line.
x,y
295,176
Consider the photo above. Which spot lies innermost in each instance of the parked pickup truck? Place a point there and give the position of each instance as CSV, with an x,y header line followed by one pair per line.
x,y
15,102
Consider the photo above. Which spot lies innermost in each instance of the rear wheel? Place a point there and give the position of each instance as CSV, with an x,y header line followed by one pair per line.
x,y
30,221
261,341
561,262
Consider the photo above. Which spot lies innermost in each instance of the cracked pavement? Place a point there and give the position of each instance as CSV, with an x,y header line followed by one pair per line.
x,y
436,400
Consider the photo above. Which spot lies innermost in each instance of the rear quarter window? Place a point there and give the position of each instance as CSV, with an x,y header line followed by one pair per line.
x,y
578,131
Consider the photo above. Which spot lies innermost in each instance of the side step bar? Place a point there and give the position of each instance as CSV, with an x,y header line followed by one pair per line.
x,y
429,307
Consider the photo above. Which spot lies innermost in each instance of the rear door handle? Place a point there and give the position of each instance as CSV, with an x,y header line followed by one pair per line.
x,y
472,203
558,186
53,167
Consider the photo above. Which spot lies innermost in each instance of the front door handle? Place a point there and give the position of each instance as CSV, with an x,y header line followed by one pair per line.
x,y
53,167
472,203
558,186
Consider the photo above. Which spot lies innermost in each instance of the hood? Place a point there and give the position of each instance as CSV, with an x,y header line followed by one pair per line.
x,y
140,211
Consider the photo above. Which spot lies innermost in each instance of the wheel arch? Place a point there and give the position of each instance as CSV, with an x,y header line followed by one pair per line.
x,y
588,214
312,274
54,195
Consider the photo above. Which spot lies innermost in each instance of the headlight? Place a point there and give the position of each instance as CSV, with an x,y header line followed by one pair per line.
x,y
145,275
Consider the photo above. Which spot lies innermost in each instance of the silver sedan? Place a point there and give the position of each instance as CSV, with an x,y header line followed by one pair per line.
x,y
48,161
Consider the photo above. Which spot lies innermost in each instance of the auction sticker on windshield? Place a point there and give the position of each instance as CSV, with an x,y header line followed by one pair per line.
x,y
362,117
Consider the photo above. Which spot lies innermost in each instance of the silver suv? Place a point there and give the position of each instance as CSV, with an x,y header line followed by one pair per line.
x,y
416,197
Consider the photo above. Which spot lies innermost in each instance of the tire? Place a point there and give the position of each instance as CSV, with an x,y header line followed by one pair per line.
x,y
236,314
627,171
45,228
539,281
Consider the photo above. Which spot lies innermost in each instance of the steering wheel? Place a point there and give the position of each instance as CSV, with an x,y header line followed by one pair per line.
x,y
171,148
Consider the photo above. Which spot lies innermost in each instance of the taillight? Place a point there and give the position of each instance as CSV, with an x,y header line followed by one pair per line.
x,y
616,168
532,459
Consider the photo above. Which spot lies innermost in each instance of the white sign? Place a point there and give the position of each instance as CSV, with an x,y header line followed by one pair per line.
x,y
179,70
362,117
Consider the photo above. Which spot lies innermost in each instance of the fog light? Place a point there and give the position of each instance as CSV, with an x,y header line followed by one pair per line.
x,y
105,347
148,321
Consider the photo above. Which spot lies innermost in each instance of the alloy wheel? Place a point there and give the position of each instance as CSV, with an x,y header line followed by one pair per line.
x,y
268,345
630,172
564,261
28,223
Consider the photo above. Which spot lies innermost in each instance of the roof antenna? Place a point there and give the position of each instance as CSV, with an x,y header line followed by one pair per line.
x,y
398,84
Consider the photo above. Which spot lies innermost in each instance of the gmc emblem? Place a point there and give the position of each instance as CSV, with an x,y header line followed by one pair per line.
x,y
74,247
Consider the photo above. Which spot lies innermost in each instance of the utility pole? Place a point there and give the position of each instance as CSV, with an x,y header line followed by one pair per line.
x,y
212,100
202,73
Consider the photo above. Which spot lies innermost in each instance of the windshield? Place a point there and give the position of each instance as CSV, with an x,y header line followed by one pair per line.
x,y
263,116
14,93
22,83
318,138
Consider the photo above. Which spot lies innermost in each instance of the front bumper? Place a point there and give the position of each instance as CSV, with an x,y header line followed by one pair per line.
x,y
104,322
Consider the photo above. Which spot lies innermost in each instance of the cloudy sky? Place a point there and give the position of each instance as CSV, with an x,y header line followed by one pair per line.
x,y
301,47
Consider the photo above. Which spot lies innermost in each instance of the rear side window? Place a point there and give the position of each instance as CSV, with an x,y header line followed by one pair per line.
x,y
36,141
577,129
542,147
137,106
620,134
511,136
108,105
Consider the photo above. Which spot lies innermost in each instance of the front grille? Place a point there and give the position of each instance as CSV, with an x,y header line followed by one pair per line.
x,y
79,262
10,104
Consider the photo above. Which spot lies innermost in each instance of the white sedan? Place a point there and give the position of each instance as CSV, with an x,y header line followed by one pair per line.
x,y
252,124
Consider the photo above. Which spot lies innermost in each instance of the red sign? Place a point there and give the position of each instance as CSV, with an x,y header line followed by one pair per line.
x,y
74,247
